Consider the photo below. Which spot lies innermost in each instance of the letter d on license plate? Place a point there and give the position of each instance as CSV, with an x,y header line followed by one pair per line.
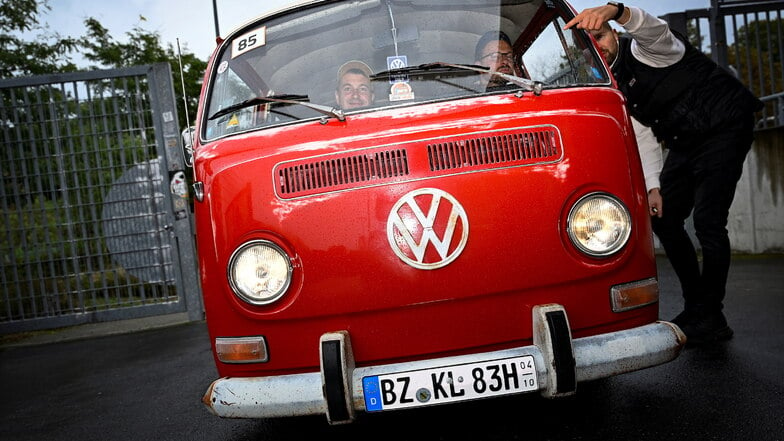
x,y
450,383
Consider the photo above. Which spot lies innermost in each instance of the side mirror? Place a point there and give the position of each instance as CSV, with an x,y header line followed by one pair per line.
x,y
187,145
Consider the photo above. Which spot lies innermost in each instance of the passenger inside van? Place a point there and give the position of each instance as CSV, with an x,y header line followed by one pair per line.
x,y
494,51
353,87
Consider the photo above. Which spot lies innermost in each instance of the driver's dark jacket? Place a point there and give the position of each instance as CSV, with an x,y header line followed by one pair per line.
x,y
685,101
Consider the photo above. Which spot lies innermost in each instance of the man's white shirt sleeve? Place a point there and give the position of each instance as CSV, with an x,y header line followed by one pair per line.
x,y
650,154
653,43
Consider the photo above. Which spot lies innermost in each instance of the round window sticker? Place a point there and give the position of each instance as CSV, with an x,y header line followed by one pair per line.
x,y
223,66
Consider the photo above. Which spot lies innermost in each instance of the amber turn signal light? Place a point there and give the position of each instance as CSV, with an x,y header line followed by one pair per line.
x,y
241,349
634,295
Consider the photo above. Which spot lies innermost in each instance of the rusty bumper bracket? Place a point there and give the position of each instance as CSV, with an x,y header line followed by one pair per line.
x,y
553,337
337,368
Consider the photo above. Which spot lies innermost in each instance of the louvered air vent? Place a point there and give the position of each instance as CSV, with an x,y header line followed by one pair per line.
x,y
533,145
422,159
343,172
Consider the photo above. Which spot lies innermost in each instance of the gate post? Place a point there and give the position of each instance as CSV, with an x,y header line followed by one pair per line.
x,y
676,21
172,167
718,34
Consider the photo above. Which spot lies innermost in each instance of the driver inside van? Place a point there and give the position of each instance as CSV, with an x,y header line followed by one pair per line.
x,y
354,88
494,51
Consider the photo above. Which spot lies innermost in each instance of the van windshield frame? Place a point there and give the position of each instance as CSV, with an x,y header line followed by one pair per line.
x,y
299,52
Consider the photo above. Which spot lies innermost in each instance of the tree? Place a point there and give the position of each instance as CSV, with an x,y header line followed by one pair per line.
x,y
51,53
145,47
757,54
48,53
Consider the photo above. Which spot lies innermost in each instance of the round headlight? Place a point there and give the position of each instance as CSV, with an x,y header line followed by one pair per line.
x,y
259,272
599,224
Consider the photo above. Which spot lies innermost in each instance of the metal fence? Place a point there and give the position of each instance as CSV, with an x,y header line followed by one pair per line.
x,y
746,37
93,200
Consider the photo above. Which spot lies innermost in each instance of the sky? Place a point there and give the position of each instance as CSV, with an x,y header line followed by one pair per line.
x,y
192,21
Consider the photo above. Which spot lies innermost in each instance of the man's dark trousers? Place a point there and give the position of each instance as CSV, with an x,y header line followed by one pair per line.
x,y
702,175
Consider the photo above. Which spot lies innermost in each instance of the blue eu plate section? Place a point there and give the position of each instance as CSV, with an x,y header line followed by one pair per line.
x,y
372,394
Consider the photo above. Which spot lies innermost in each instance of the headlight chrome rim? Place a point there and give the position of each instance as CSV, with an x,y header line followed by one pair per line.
x,y
622,221
284,271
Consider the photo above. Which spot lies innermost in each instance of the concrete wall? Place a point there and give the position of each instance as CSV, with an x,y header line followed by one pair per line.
x,y
756,222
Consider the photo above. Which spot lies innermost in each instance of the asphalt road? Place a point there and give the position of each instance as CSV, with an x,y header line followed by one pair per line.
x,y
147,385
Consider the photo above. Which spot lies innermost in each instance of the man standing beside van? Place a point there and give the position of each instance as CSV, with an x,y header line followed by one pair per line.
x,y
704,116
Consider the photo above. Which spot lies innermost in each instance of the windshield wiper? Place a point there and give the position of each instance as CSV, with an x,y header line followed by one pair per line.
x,y
430,68
281,99
440,67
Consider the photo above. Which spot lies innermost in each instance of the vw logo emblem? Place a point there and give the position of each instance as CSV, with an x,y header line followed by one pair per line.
x,y
397,64
427,228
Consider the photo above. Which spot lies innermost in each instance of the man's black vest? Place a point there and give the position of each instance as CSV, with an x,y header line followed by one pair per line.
x,y
684,101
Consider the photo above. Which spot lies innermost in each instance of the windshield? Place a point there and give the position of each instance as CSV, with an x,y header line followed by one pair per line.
x,y
339,58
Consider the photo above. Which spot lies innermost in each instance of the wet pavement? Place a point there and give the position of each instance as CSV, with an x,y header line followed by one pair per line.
x,y
147,384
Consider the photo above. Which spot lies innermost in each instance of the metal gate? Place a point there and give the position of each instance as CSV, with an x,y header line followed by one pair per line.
x,y
747,37
94,200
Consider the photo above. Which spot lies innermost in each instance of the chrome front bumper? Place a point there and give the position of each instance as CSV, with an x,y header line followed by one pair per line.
x,y
561,363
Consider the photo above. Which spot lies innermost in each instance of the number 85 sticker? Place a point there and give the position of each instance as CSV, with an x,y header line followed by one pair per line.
x,y
249,41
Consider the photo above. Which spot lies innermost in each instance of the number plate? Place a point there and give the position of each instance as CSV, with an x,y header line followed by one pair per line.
x,y
449,383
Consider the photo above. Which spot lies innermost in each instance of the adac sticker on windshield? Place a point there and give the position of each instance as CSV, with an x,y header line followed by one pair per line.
x,y
249,41
400,92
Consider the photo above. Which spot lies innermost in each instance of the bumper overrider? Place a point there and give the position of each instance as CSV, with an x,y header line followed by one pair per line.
x,y
338,391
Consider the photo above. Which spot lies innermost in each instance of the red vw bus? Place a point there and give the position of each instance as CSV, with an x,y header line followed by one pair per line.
x,y
451,232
